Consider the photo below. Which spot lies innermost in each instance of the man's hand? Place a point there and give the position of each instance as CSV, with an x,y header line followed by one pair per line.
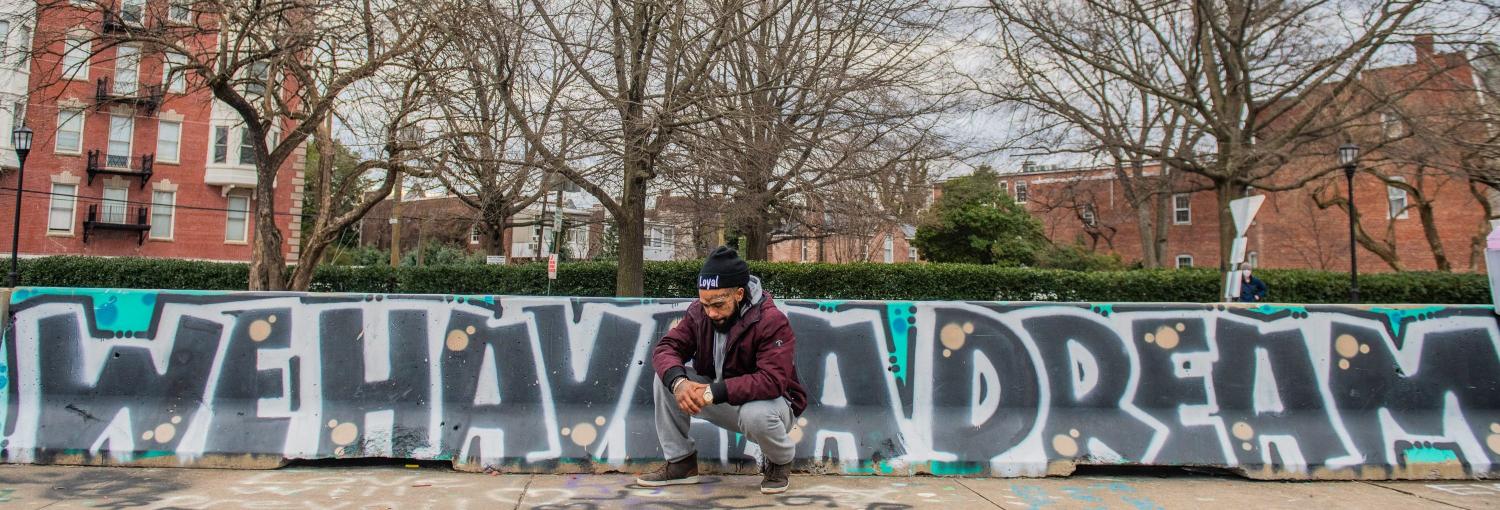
x,y
690,396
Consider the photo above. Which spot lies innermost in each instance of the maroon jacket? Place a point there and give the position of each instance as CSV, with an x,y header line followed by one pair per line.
x,y
759,362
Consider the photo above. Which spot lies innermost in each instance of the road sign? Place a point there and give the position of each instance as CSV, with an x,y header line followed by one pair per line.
x,y
552,267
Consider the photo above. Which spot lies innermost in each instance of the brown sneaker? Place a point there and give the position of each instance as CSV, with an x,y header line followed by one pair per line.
x,y
684,471
777,478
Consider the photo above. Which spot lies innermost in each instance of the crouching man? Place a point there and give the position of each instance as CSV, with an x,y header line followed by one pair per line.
x,y
742,378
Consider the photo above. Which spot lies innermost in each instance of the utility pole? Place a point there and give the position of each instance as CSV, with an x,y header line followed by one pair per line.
x,y
396,224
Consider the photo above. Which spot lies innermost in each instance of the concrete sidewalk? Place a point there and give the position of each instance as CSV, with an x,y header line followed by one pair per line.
x,y
384,487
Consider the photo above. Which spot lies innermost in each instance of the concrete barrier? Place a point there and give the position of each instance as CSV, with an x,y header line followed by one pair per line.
x,y
212,379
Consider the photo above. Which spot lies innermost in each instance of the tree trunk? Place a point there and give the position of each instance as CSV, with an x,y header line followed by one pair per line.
x,y
1429,227
267,263
1226,192
1163,213
1143,222
757,232
629,277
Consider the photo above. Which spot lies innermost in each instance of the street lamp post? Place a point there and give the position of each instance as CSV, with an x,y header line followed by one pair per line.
x,y
1348,156
21,140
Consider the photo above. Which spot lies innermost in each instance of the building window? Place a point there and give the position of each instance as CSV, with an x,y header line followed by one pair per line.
x,y
60,213
178,11
239,219
474,234
804,251
69,131
115,200
247,148
258,73
1005,186
1396,199
659,237
1253,259
221,144
911,254
4,37
1089,219
24,48
890,249
121,129
127,64
1021,192
174,72
17,115
75,59
578,242
1391,125
168,140
162,205
133,11
1184,261
1182,209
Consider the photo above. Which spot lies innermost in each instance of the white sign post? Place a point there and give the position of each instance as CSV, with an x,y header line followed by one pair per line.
x,y
1243,210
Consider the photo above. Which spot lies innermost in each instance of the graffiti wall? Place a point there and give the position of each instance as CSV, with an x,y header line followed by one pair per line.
x,y
563,384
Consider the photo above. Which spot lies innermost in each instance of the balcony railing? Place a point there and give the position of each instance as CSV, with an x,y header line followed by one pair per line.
x,y
148,97
116,164
114,219
118,21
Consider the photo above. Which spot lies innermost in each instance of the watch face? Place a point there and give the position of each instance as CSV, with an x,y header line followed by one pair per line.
x,y
708,394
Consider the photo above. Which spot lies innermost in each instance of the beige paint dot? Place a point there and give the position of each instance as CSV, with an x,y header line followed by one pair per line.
x,y
1064,445
339,451
583,434
1495,427
146,436
953,336
1181,327
1364,348
457,340
947,353
1150,338
1494,442
1346,346
795,434
1343,364
1073,432
344,433
1243,431
1245,446
271,319
599,420
333,423
802,422
470,330
176,420
566,431
1166,337
165,432
969,328
260,331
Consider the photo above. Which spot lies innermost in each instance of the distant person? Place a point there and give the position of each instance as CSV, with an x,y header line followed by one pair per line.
x,y
1252,290
742,378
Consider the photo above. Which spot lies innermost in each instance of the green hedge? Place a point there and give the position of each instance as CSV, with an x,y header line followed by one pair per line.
x,y
787,280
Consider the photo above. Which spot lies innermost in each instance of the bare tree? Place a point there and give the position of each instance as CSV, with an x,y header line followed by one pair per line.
x,y
280,65
817,94
1262,82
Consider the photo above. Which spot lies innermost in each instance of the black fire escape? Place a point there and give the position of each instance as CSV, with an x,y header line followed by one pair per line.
x,y
111,164
114,219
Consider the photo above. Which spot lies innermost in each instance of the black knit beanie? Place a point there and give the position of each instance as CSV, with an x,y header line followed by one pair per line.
x,y
724,269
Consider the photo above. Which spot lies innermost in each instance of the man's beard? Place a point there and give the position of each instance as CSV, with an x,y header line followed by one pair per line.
x,y
723,325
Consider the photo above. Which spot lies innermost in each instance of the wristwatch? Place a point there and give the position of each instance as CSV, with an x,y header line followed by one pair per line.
x,y
708,394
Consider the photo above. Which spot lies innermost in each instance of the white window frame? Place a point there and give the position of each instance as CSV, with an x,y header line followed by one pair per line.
x,y
1391,125
70,197
121,205
1392,194
1178,208
187,9
474,234
76,48
1022,194
173,74
578,241
911,253
229,213
129,140
888,249
1253,259
213,145
253,87
23,47
125,5
127,65
658,236
804,251
57,137
1090,219
174,156
171,212
4,38
1184,257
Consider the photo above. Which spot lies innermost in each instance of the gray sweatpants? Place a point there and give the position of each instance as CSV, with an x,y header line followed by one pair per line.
x,y
767,422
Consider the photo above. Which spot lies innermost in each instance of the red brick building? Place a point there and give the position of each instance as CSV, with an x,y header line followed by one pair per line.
x,y
130,159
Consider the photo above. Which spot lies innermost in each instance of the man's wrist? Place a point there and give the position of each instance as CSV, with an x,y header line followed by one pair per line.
x,y
671,375
676,382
